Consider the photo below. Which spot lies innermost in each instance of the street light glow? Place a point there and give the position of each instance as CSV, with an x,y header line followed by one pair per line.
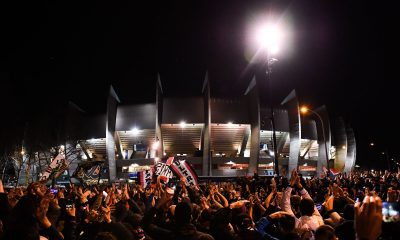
x,y
182,124
269,37
303,109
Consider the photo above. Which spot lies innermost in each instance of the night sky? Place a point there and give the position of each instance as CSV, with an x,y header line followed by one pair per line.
x,y
55,52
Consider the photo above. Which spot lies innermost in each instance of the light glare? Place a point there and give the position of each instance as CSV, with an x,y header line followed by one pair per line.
x,y
135,131
303,109
269,37
182,124
155,145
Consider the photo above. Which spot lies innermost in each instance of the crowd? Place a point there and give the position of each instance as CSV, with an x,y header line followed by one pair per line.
x,y
340,207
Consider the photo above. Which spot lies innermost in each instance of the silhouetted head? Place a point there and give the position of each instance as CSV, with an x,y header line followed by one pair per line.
x,y
306,207
183,213
325,232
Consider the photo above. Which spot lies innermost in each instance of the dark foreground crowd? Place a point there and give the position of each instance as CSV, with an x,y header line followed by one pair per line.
x,y
343,207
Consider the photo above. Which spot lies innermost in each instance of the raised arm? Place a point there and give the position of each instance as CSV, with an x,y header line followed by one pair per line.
x,y
286,205
271,195
222,197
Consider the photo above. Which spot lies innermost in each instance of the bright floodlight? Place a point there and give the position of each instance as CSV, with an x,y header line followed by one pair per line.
x,y
182,124
156,144
135,131
372,144
271,153
269,37
303,109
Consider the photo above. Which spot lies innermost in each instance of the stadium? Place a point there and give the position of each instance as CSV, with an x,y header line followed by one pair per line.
x,y
218,137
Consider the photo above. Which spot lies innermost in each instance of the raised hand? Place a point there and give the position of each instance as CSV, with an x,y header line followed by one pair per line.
x,y
71,211
41,212
1,187
368,218
293,177
106,213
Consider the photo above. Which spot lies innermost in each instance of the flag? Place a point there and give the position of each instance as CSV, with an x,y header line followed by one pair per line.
x,y
182,168
88,171
58,165
145,177
169,167
331,173
163,170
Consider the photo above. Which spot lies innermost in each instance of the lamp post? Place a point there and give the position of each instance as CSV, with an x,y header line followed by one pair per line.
x,y
305,110
268,38
268,74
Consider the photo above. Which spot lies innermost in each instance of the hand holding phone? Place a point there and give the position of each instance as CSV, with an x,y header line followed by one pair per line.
x,y
53,191
390,212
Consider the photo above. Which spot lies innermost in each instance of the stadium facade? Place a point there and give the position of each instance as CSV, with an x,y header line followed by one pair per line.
x,y
219,137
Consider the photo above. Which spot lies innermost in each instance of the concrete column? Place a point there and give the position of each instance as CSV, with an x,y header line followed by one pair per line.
x,y
321,141
206,134
118,145
159,111
112,102
341,144
253,102
291,103
351,151
71,155
244,142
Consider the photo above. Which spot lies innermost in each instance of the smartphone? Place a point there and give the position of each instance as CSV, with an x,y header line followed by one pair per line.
x,y
69,203
53,190
319,206
390,212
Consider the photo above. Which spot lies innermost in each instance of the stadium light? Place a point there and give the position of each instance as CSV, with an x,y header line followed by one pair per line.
x,y
155,145
304,110
182,124
269,37
135,131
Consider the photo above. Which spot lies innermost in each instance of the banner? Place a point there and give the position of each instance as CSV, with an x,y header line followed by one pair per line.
x,y
58,164
331,173
182,168
145,177
88,171
171,166
163,170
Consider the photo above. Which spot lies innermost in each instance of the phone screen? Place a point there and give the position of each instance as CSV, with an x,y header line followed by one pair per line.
x,y
319,206
390,212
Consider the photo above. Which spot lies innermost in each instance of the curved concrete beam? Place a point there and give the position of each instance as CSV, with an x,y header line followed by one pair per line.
x,y
340,134
322,143
291,103
112,102
351,151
